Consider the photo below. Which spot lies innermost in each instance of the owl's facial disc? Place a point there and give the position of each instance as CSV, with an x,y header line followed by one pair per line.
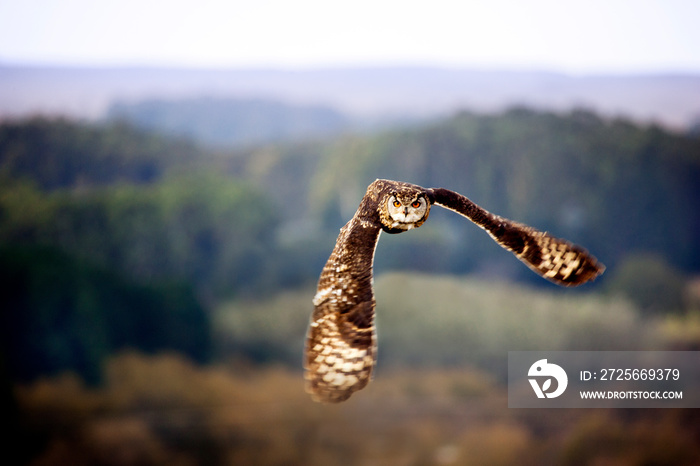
x,y
406,212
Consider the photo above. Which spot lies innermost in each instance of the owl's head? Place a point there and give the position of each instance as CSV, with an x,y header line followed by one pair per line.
x,y
404,209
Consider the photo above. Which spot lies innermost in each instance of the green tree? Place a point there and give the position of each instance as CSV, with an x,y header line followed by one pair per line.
x,y
61,313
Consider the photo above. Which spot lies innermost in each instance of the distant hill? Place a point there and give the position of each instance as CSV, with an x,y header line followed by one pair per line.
x,y
228,122
672,100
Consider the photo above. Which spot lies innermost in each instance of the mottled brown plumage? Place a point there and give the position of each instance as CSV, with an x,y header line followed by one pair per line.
x,y
341,342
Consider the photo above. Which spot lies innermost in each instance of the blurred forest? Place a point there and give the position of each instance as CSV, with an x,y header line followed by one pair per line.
x,y
155,290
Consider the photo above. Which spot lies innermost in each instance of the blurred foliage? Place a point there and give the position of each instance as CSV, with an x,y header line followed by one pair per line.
x,y
165,410
682,330
428,320
263,331
650,283
603,439
146,204
63,314
59,153
445,321
258,222
204,228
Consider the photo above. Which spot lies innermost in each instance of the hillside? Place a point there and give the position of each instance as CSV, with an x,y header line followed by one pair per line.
x,y
608,184
155,292
158,213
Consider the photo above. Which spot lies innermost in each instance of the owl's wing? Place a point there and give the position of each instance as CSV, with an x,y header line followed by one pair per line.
x,y
553,258
341,343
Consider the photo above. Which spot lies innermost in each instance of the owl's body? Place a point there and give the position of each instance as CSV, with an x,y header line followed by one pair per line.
x,y
341,342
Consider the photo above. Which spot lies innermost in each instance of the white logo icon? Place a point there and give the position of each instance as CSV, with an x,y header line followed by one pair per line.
x,y
543,369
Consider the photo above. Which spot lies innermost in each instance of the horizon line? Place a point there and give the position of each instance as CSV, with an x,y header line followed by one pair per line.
x,y
359,66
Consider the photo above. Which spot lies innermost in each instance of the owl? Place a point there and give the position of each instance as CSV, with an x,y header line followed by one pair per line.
x,y
341,344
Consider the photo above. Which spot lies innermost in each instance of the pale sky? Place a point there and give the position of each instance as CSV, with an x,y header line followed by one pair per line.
x,y
579,37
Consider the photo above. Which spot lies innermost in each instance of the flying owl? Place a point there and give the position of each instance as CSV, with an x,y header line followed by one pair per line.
x,y
341,344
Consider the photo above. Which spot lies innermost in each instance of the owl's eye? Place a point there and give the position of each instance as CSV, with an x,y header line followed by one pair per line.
x,y
396,203
415,204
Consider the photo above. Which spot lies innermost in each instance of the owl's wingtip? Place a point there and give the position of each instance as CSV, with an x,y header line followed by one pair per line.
x,y
590,271
325,396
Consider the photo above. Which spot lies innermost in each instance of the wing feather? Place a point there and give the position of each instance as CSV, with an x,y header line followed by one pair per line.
x,y
341,342
553,258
